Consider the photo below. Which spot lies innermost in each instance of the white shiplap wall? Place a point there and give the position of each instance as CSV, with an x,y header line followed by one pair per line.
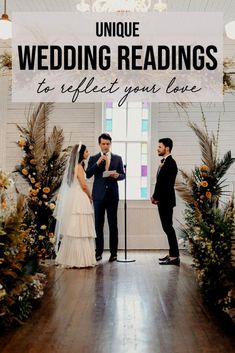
x,y
77,121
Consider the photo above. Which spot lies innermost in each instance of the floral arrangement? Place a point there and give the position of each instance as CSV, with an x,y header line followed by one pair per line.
x,y
209,227
42,167
228,72
19,287
5,61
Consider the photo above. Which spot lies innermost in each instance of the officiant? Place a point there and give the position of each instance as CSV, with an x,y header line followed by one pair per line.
x,y
107,169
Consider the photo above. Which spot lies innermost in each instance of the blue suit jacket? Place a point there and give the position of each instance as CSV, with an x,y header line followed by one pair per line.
x,y
102,186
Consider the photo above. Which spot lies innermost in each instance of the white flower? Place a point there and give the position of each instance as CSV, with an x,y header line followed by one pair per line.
x,y
2,293
31,240
196,237
197,230
43,227
11,181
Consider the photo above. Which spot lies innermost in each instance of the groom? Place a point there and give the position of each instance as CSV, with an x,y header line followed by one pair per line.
x,y
164,198
105,194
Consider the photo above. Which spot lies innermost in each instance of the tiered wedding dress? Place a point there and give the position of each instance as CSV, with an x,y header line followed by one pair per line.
x,y
77,248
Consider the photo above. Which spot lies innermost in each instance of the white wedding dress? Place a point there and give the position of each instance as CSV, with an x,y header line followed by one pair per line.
x,y
77,248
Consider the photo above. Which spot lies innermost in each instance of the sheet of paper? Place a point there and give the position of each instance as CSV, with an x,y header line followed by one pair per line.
x,y
107,173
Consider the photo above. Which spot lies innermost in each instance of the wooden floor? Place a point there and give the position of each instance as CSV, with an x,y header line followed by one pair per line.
x,y
139,307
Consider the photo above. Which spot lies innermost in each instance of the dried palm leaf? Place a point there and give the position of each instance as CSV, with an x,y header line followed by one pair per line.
x,y
22,129
37,132
21,200
184,192
189,178
206,146
34,113
223,165
54,143
185,175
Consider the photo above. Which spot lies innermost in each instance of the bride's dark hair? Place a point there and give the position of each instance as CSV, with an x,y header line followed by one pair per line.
x,y
74,158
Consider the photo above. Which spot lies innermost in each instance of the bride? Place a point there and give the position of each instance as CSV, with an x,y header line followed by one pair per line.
x,y
75,231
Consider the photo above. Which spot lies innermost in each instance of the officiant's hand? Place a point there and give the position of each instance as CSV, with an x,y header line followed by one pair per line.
x,y
102,159
154,202
114,175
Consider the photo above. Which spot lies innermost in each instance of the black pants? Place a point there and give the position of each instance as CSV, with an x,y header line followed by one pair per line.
x,y
166,215
111,207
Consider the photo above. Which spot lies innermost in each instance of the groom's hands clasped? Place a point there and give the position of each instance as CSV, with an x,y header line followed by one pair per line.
x,y
154,202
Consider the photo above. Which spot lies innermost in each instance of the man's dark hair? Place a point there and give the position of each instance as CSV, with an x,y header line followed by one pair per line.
x,y
104,136
167,142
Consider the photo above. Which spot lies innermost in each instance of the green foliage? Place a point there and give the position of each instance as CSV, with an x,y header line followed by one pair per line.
x,y
210,239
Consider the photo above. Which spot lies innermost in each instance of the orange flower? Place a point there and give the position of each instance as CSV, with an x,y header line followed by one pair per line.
x,y
3,205
33,161
204,168
32,180
46,190
195,203
24,171
21,143
34,192
204,184
37,185
208,195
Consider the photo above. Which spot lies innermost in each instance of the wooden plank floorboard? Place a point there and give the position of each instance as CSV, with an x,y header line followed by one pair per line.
x,y
139,307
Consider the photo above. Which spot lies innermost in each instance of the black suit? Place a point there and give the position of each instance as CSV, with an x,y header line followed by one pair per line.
x,y
164,193
105,197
